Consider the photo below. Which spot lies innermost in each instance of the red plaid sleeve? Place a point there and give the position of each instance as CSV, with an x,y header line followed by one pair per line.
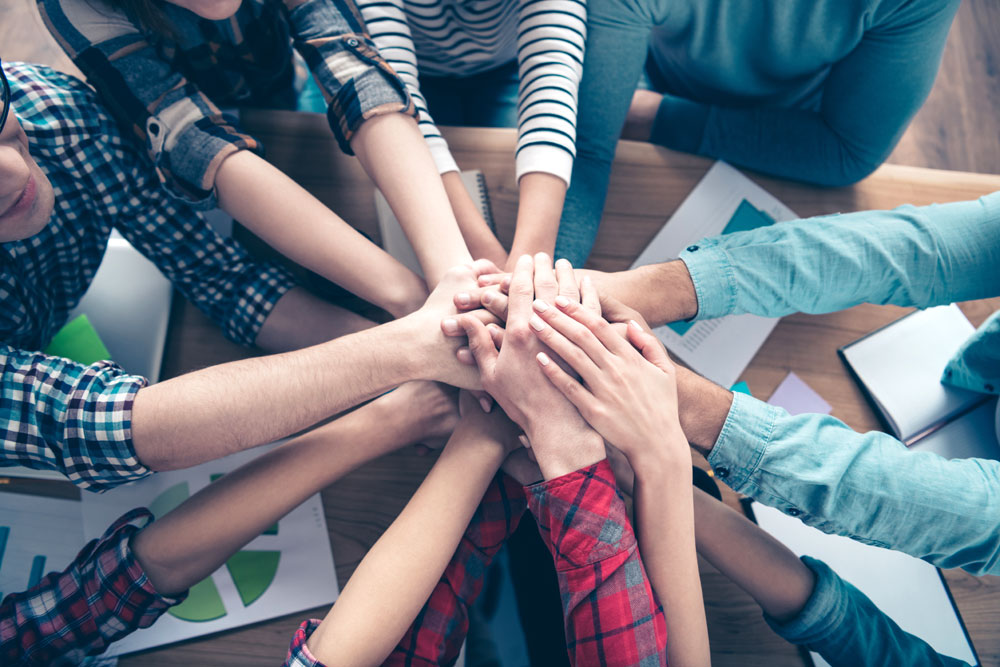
x,y
611,613
101,597
436,636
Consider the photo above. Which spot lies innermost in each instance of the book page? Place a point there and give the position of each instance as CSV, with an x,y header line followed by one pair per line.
x,y
724,201
901,367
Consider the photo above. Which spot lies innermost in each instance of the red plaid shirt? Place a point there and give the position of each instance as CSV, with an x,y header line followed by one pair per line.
x,y
101,597
612,615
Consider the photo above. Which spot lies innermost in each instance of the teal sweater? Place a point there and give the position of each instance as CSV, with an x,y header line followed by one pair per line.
x,y
812,90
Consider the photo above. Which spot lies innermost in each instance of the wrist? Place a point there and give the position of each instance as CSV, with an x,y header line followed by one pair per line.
x,y
703,408
560,451
663,463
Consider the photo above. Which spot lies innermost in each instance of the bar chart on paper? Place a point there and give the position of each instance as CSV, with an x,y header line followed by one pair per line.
x,y
37,535
724,202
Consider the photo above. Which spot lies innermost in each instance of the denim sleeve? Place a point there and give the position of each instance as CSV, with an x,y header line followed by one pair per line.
x,y
869,486
847,629
868,99
185,135
909,256
356,81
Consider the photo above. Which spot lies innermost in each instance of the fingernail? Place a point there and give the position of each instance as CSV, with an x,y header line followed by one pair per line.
x,y
523,439
540,305
536,323
464,355
563,263
525,258
635,325
585,282
450,325
562,301
541,257
463,298
485,404
543,358
487,297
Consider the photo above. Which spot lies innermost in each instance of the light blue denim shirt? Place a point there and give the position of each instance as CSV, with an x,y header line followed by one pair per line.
x,y
867,486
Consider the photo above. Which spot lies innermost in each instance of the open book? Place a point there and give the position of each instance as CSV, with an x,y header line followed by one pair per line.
x,y
900,365
394,241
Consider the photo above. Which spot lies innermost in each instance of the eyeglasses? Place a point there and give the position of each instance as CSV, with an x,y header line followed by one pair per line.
x,y
5,100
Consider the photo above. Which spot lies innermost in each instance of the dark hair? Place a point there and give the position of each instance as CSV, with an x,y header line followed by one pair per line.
x,y
147,13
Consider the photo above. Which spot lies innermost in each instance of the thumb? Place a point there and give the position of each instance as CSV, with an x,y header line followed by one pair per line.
x,y
650,347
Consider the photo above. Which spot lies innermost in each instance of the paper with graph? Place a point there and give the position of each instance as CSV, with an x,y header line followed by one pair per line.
x,y
37,535
724,201
285,570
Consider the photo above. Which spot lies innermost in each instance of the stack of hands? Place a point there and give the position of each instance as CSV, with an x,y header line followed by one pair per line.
x,y
579,376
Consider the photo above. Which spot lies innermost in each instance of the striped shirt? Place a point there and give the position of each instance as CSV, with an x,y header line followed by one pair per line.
x,y
465,37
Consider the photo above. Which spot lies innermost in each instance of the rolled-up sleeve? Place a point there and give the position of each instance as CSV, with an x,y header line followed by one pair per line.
x,y
186,136
61,415
101,597
356,81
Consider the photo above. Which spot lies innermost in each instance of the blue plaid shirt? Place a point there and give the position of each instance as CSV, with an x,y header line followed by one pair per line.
x,y
55,413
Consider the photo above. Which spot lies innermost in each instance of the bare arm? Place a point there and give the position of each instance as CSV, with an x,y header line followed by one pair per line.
x,y
299,226
480,239
195,539
227,408
397,575
539,208
394,153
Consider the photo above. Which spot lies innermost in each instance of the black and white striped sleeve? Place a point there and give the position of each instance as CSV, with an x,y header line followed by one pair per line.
x,y
388,27
550,48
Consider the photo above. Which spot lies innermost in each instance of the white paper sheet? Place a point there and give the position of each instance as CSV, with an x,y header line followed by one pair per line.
x,y
38,535
304,576
725,200
907,589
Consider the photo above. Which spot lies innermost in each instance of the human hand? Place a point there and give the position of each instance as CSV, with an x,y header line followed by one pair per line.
x,y
520,465
435,353
630,395
494,429
562,442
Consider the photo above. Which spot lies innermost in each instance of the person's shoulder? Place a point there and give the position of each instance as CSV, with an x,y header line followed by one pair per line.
x,y
80,23
908,15
56,109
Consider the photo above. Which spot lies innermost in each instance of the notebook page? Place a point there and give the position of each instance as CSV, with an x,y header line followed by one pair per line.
x,y
901,367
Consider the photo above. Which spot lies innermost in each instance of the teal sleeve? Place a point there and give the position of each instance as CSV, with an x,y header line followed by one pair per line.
x,y
868,99
846,628
869,486
909,256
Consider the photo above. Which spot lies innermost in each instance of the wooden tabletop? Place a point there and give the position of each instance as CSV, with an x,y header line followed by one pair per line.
x,y
647,185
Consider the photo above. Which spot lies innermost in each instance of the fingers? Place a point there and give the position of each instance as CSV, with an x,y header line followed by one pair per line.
x,y
616,311
574,392
496,333
496,303
480,343
483,267
501,280
450,326
546,286
650,347
597,325
522,289
570,340
567,280
589,296
473,298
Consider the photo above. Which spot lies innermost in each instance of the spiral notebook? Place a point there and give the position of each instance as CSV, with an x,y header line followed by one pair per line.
x,y
394,239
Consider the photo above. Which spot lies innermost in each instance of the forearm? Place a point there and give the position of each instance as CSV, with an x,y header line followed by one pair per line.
x,y
666,532
300,227
394,153
223,409
401,570
477,234
817,469
540,205
193,540
753,559
300,319
661,293
909,257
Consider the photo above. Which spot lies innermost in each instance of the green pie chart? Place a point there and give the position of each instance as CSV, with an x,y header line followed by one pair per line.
x,y
252,571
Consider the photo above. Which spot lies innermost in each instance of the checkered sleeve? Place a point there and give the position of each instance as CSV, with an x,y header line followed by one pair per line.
x,y
65,416
102,596
437,633
217,275
356,81
611,613
186,136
